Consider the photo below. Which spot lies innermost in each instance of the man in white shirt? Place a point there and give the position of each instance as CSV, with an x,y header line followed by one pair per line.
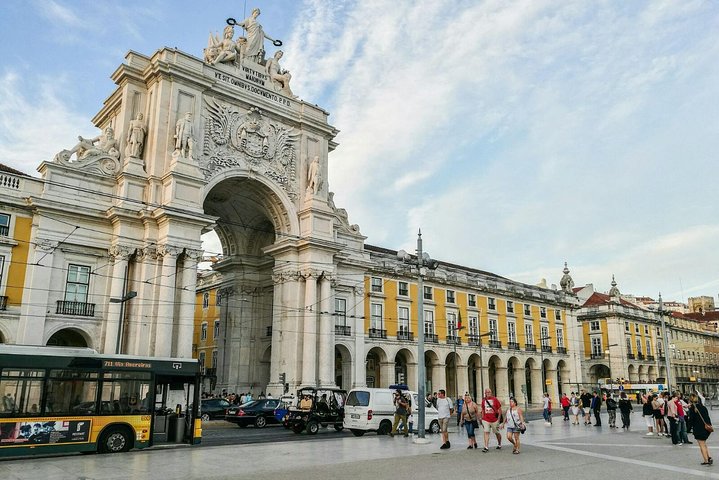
x,y
445,408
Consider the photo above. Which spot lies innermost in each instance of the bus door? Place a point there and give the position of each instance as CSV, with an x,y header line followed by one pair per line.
x,y
175,412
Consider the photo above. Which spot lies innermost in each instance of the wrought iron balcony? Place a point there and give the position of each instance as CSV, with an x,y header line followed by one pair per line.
x,y
630,356
530,347
662,357
546,349
3,302
453,340
513,345
344,330
79,309
473,340
377,333
650,358
495,343
432,338
4,230
640,356
562,350
596,356
268,332
404,335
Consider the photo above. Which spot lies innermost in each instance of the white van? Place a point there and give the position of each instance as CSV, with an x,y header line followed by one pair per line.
x,y
372,410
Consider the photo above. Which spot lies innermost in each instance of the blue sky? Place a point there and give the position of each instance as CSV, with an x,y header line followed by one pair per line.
x,y
517,135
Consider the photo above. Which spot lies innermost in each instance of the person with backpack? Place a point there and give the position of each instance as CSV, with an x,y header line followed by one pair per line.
x,y
400,414
612,411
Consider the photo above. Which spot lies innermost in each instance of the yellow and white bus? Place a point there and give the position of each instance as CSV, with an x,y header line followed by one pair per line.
x,y
57,399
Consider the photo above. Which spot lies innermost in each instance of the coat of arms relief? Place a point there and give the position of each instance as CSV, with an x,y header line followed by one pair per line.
x,y
238,138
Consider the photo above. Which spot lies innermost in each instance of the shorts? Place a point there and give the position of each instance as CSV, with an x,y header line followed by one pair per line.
x,y
650,420
575,410
586,410
443,424
490,426
513,430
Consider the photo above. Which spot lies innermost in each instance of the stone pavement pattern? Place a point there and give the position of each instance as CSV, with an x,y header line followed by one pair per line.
x,y
560,451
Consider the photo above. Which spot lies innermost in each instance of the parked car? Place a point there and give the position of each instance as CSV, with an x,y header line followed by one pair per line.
x,y
372,410
257,412
213,408
327,408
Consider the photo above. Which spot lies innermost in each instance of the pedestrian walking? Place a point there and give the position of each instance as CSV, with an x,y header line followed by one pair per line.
x,y
648,414
658,408
671,410
469,418
682,417
586,399
596,407
491,412
514,421
460,402
564,401
612,411
401,412
625,407
445,408
701,426
547,409
574,402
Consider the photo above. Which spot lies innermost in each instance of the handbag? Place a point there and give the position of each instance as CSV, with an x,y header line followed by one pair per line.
x,y
522,428
707,426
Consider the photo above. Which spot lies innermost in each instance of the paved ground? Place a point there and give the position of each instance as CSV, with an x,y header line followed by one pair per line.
x,y
560,451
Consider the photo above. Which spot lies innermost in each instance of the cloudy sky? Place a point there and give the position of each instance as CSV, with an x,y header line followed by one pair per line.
x,y
518,135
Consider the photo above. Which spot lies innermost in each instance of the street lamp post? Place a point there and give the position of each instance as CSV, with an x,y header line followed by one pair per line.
x,y
666,343
541,356
120,325
609,366
455,331
481,368
423,262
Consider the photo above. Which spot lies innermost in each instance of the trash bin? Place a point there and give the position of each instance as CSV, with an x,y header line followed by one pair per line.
x,y
175,428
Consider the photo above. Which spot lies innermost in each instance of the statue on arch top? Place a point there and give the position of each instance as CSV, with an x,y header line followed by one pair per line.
x,y
104,144
255,35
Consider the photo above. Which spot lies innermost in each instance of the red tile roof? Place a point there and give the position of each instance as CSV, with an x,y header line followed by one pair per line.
x,y
598,299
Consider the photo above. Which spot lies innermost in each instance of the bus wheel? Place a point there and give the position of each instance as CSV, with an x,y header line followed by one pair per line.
x,y
114,440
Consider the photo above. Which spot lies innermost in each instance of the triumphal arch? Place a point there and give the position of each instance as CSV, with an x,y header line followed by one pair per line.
x,y
218,141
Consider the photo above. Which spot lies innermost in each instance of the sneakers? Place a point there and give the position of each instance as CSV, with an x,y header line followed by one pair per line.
x,y
649,434
444,446
485,450
499,447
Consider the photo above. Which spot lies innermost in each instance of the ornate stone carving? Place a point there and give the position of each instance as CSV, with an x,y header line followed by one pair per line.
x,y
280,77
121,251
566,283
226,292
99,155
255,47
314,177
46,245
147,252
185,136
225,50
235,138
136,131
342,217
165,250
193,254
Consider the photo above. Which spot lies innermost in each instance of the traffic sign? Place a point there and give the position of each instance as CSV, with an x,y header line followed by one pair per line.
x,y
621,388
548,381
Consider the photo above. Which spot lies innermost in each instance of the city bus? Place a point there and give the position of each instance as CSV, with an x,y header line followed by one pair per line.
x,y
634,391
59,399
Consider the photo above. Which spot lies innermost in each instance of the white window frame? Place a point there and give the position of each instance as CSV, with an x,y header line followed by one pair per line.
x,y
597,349
528,333
376,285
206,300
543,334
403,319
75,296
429,322
376,316
639,346
543,312
471,300
491,303
451,296
428,293
512,332
218,298
558,315
203,331
527,310
5,222
400,286
202,357
595,326
510,306
451,324
560,338
473,325
216,329
493,333
340,312
629,344
648,344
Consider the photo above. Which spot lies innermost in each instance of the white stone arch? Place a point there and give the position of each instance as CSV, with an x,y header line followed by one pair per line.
x,y
515,378
633,373
643,373
494,367
405,371
533,380
280,208
343,366
75,329
473,376
652,374
5,334
378,367
434,370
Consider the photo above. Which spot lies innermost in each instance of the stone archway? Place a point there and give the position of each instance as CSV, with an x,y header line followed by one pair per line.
x,y
563,378
403,368
473,376
343,367
434,371
494,364
598,372
374,361
533,380
652,373
633,373
451,373
68,337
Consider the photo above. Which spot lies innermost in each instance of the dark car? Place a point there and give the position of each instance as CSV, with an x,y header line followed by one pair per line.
x,y
316,408
213,408
257,412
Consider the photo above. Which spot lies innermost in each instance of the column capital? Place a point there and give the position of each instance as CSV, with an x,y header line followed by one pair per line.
x,y
147,252
308,273
168,250
121,252
194,254
286,276
225,292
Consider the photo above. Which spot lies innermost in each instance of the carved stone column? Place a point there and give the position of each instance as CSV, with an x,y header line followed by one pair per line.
x,y
537,390
411,379
35,298
500,375
327,334
439,378
309,337
119,256
462,379
359,372
186,322
142,317
166,301
386,375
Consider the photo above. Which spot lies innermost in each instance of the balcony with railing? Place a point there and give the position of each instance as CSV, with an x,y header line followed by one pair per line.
x,y
513,345
495,344
662,357
453,340
432,337
530,347
473,340
3,302
405,335
630,356
79,309
562,350
377,333
640,356
596,356
546,349
650,358
4,230
343,330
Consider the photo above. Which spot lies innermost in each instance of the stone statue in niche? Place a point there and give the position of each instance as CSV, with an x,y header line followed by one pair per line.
x,y
136,132
184,136
280,78
255,48
314,177
103,145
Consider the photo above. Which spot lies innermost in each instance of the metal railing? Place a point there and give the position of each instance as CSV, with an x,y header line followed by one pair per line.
x,y
640,356
473,340
431,337
650,358
513,345
377,333
495,343
596,356
562,350
4,230
453,339
344,330
530,347
404,335
75,308
3,302
630,356
546,349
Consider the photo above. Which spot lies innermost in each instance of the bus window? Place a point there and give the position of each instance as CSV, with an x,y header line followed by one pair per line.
x,y
70,392
123,392
21,391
